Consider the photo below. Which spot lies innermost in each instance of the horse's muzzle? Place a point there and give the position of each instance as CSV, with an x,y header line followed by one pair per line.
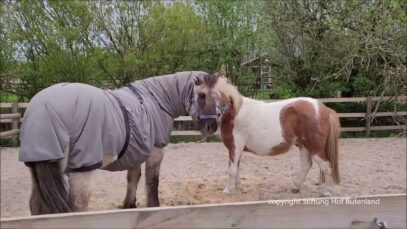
x,y
207,124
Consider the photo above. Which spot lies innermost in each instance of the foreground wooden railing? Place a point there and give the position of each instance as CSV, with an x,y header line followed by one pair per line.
x,y
379,211
15,116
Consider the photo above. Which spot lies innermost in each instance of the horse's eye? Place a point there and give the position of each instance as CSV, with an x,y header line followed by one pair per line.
x,y
202,95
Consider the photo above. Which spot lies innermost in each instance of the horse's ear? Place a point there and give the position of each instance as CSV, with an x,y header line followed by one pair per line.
x,y
198,81
222,95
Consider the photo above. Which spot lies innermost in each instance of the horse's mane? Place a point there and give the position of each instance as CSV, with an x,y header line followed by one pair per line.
x,y
226,89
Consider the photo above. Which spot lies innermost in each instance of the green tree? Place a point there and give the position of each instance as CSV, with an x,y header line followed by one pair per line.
x,y
231,34
316,47
322,46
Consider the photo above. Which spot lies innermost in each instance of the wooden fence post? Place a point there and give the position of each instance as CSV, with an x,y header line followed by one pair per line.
x,y
368,115
14,124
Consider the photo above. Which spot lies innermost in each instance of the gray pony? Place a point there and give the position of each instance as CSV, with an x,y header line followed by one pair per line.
x,y
72,129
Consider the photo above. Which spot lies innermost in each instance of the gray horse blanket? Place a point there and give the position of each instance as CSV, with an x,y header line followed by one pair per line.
x,y
88,122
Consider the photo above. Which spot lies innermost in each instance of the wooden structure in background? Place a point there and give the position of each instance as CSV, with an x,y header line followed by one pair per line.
x,y
18,108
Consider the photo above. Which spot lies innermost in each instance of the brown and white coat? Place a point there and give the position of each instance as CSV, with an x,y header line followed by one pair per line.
x,y
273,128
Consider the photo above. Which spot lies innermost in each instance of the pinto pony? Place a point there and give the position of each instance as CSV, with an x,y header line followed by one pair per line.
x,y
273,128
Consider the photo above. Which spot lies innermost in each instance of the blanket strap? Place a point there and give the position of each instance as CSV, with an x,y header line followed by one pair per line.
x,y
134,90
126,123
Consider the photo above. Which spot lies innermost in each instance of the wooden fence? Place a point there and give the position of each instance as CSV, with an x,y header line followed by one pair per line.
x,y
15,117
384,211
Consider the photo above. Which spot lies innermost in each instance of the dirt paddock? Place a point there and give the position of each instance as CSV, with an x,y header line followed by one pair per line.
x,y
195,173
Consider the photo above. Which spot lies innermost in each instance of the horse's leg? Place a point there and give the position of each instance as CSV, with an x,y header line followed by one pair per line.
x,y
133,177
204,134
237,178
326,170
234,159
153,164
204,139
306,163
80,185
233,172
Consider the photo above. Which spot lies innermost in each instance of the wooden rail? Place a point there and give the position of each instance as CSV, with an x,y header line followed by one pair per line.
x,y
10,116
333,212
356,99
15,117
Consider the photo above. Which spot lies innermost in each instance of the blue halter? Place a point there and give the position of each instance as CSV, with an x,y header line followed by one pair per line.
x,y
223,108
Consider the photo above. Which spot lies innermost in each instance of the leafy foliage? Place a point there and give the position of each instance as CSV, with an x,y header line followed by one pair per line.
x,y
315,48
356,47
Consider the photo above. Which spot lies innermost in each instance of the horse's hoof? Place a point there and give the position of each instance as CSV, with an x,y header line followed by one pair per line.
x,y
127,206
227,191
203,140
295,190
327,194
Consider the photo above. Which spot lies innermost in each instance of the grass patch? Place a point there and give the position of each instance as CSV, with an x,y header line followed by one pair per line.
x,y
8,142
195,138
374,134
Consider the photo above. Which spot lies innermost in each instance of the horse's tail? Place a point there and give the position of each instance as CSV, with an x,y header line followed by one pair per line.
x,y
331,147
49,181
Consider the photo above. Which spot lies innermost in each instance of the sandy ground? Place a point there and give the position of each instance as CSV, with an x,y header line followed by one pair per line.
x,y
195,173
